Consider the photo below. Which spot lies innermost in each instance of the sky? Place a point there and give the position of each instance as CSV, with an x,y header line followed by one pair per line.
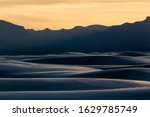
x,y
58,14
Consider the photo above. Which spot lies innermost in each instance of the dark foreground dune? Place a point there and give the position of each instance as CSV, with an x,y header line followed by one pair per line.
x,y
118,94
122,75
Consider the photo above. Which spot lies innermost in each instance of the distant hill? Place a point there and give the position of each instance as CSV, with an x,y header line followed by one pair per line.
x,y
16,39
76,32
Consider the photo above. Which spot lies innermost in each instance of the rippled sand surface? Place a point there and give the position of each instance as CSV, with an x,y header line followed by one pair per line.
x,y
122,75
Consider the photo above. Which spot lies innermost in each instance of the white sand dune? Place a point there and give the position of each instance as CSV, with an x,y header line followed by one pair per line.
x,y
73,89
121,94
123,75
13,68
67,84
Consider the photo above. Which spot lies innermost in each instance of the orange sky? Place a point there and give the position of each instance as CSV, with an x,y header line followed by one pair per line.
x,y
57,14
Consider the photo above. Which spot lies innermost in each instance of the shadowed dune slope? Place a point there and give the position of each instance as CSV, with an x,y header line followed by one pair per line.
x,y
124,75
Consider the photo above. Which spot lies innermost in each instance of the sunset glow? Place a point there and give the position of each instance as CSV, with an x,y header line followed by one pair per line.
x,y
57,14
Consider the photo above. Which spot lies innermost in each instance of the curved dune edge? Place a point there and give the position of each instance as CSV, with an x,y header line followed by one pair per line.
x,y
134,89
67,84
101,76
131,93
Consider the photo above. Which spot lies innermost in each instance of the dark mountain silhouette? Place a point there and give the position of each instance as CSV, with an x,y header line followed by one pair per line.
x,y
16,39
76,32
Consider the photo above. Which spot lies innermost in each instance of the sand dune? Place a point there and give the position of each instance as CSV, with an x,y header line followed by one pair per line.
x,y
13,68
89,60
119,94
66,84
122,75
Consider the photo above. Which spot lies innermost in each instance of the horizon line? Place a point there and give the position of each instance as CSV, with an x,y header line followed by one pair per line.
x,y
46,28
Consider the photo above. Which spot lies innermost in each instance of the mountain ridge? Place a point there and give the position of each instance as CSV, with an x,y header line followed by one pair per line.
x,y
16,39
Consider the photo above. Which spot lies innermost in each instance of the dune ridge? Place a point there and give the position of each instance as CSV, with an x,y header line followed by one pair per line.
x,y
116,75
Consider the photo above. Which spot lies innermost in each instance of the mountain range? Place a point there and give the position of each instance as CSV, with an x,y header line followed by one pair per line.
x,y
16,40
